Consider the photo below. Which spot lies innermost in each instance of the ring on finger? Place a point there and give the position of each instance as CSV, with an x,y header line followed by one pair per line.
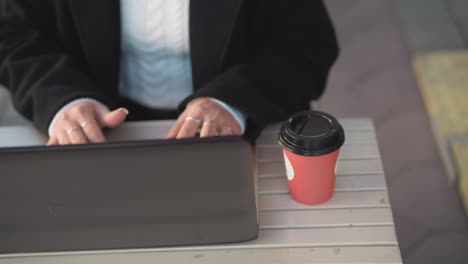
x,y
197,121
85,123
73,129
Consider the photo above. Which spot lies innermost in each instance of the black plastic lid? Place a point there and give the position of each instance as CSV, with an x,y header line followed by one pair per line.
x,y
311,133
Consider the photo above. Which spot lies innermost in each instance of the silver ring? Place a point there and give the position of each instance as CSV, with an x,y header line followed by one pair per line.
x,y
73,129
85,123
198,121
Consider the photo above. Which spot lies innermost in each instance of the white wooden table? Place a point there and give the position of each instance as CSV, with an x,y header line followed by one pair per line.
x,y
355,226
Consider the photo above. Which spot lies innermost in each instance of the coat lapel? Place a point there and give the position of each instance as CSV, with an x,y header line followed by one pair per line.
x,y
211,25
98,24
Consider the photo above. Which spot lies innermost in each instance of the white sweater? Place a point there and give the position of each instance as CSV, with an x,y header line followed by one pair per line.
x,y
155,66
155,57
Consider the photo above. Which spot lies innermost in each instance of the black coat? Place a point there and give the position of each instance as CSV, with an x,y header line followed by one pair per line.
x,y
268,58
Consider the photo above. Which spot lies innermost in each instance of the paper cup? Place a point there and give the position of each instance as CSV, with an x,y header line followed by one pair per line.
x,y
311,144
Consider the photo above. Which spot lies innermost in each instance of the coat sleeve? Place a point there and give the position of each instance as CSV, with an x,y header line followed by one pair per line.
x,y
40,73
294,49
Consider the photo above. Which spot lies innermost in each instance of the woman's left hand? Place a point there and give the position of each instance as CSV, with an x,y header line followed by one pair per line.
x,y
206,116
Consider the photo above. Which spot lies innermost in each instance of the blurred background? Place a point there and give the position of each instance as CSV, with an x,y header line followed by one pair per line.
x,y
404,63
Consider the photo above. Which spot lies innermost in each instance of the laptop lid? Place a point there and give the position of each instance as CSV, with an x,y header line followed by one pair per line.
x,y
127,195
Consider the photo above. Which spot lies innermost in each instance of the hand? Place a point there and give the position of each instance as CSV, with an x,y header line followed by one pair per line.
x,y
207,115
82,123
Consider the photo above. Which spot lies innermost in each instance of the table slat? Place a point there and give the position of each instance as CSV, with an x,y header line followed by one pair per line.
x,y
375,182
309,237
333,236
274,152
325,218
369,254
345,200
344,167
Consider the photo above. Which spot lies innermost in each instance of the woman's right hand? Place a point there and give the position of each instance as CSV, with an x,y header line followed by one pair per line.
x,y
82,123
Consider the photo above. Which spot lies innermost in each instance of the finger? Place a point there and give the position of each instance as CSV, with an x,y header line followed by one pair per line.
x,y
188,129
62,137
114,118
87,118
209,129
226,131
75,133
53,141
93,131
176,127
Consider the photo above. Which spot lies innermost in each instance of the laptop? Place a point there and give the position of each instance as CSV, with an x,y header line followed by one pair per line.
x,y
137,194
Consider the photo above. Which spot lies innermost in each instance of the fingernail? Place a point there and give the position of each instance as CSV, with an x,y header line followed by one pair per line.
x,y
125,110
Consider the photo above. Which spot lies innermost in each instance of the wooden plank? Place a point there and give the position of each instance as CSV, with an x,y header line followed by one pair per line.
x,y
333,236
351,137
358,151
325,218
348,124
365,254
340,200
344,167
373,182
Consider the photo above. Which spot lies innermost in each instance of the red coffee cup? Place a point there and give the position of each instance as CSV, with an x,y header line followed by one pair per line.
x,y
311,144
